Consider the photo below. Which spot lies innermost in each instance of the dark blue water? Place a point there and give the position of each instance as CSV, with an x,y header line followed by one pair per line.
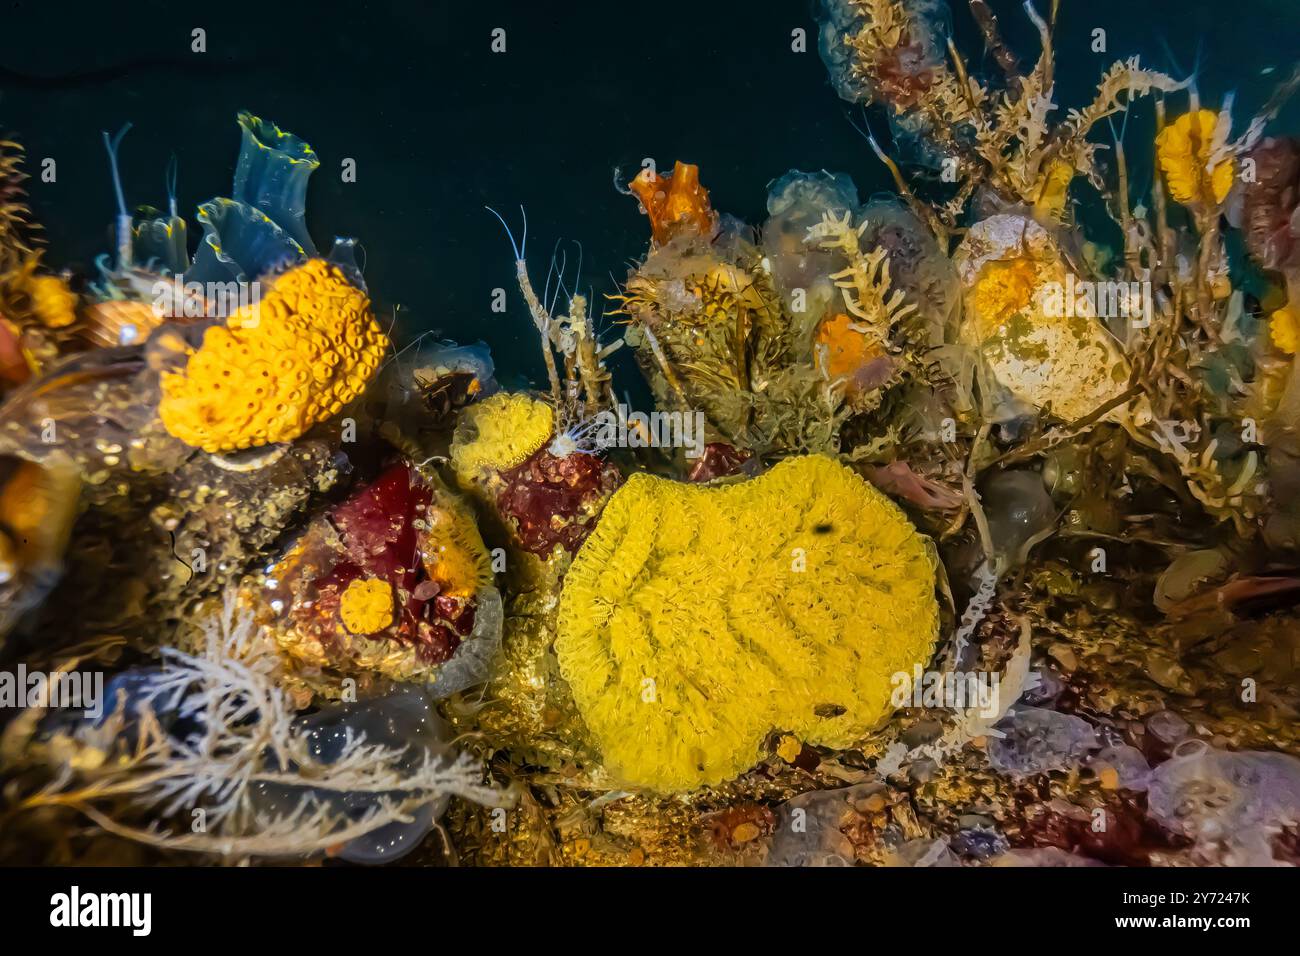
x,y
439,125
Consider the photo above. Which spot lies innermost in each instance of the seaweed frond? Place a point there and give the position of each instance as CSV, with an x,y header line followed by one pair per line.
x,y
16,228
1119,86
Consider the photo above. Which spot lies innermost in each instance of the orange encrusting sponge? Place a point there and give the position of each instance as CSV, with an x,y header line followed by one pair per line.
x,y
278,366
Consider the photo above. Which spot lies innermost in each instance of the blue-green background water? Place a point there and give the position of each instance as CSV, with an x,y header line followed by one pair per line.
x,y
440,126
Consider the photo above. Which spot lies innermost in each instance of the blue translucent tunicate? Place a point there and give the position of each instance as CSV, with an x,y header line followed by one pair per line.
x,y
979,843
1167,727
403,721
125,692
160,243
472,661
446,357
1019,511
394,840
796,202
272,175
815,192
1128,763
1043,857
841,18
240,244
260,229
125,695
918,266
817,840
909,68
344,255
913,142
923,853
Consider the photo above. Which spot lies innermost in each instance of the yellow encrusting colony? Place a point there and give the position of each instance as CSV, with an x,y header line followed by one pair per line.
x,y
1185,149
452,550
695,621
498,433
366,606
277,366
1284,330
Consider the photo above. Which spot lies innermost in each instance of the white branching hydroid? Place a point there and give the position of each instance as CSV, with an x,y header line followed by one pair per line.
x,y
242,738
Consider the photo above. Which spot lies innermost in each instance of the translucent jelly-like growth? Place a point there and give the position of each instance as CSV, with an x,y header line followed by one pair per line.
x,y
272,175
404,719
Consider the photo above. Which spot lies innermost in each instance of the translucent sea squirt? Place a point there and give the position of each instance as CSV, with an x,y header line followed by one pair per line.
x,y
272,175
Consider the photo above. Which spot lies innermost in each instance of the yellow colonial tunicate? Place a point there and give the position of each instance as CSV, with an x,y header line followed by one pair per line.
x,y
1183,149
498,433
366,606
1004,289
52,302
277,366
1284,330
695,621
1054,188
452,550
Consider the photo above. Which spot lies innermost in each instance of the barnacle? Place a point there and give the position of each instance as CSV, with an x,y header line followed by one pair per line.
x,y
676,202
499,433
702,293
276,367
119,322
1184,149
366,605
689,631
